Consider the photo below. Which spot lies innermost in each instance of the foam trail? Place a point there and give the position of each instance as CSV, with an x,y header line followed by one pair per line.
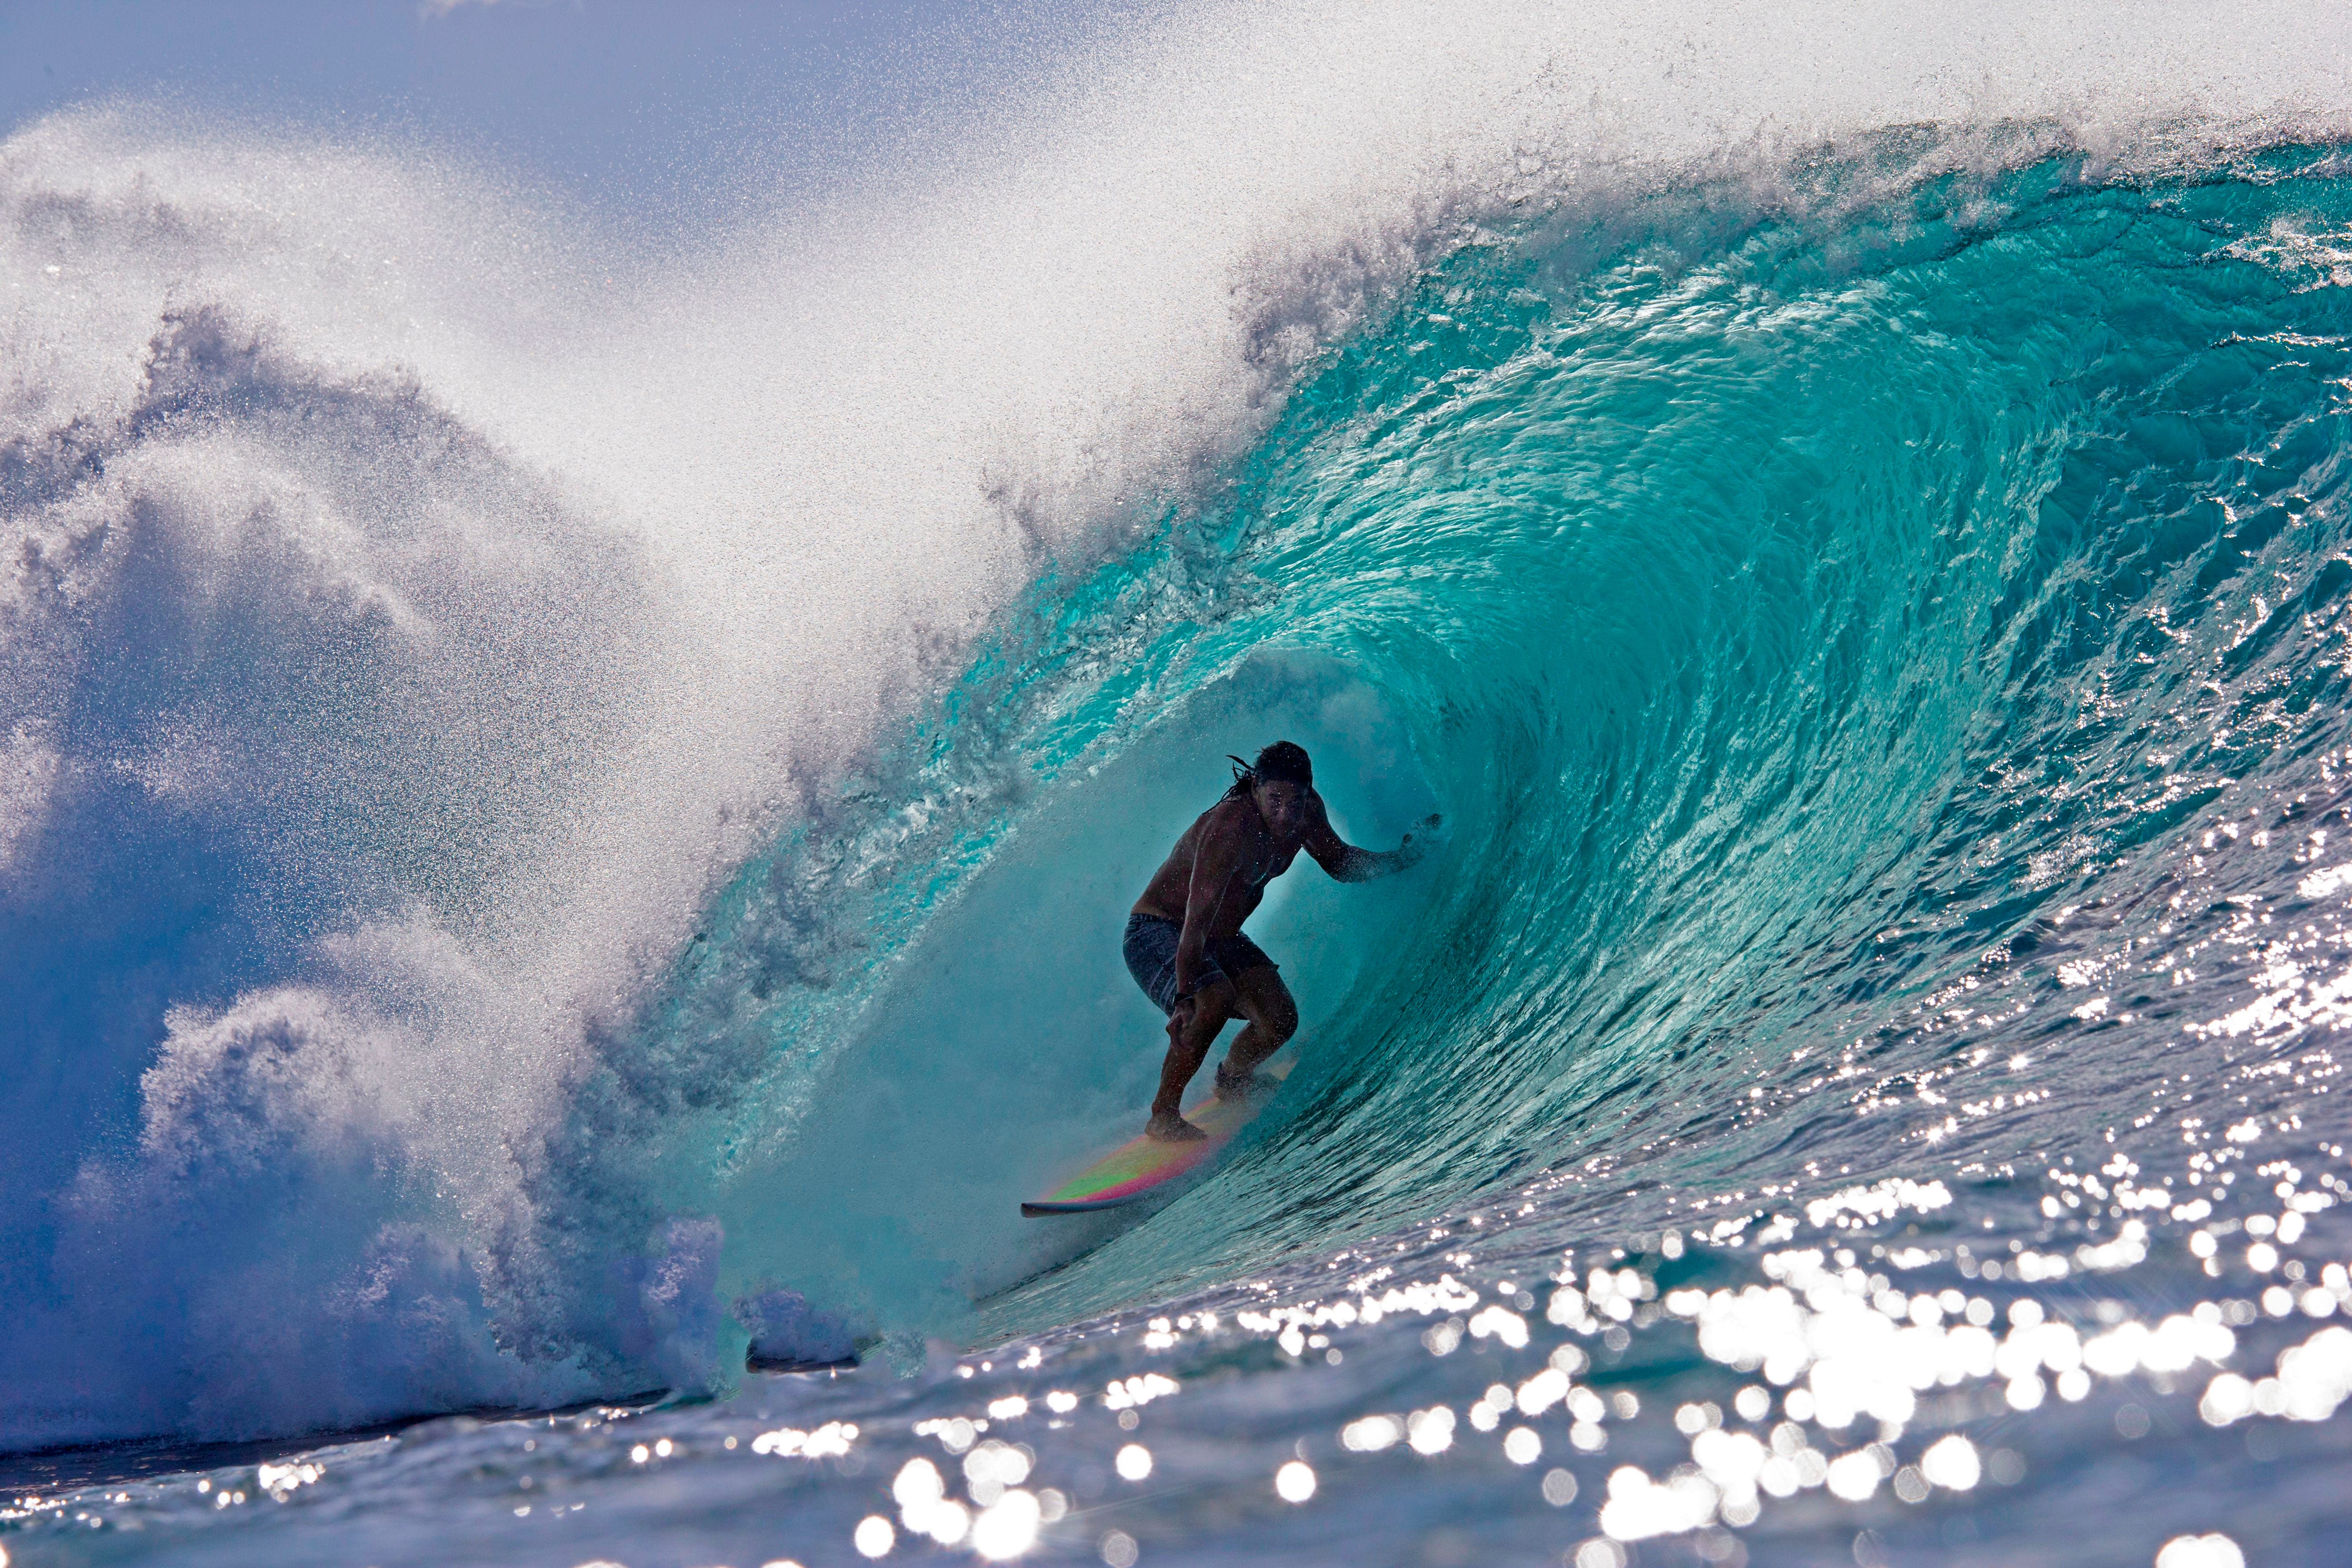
x,y
421,604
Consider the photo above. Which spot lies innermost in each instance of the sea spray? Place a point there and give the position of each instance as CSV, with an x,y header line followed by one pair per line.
x,y
428,618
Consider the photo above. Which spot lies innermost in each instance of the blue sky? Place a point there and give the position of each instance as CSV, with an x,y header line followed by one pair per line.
x,y
608,99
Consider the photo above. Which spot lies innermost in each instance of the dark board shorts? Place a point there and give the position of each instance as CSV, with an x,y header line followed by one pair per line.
x,y
1150,952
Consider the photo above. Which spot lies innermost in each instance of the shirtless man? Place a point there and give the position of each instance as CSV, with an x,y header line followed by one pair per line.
x,y
1184,943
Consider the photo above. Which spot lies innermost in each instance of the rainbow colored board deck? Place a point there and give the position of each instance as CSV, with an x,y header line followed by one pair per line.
x,y
1141,1166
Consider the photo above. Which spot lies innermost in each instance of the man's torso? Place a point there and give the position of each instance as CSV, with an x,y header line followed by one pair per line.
x,y
1259,858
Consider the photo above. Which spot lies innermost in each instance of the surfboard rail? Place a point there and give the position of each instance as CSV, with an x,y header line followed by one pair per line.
x,y
1143,1165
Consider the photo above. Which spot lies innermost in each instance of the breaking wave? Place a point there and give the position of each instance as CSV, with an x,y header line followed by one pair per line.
x,y
566,806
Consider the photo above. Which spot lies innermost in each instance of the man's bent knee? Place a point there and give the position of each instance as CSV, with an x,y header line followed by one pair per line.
x,y
1213,1005
1274,1017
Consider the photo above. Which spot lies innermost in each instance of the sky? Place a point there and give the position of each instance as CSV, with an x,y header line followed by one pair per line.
x,y
612,101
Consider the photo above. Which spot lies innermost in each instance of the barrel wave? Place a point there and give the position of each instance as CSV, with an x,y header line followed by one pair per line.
x,y
537,859
1801,619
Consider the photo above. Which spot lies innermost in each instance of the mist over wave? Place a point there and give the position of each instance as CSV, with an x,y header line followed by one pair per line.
x,y
529,767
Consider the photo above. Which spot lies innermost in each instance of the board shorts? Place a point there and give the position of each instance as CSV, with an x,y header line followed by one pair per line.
x,y
1149,948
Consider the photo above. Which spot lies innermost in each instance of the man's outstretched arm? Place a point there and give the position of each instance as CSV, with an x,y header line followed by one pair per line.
x,y
1346,863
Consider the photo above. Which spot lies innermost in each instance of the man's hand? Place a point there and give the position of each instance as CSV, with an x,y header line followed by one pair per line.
x,y
1415,843
1346,863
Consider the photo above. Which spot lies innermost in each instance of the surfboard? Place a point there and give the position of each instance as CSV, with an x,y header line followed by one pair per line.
x,y
1141,1164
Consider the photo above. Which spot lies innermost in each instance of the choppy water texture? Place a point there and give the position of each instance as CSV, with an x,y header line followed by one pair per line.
x,y
1858,1083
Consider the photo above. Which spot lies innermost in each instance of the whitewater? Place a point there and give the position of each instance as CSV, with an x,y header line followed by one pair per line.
x,y
568,790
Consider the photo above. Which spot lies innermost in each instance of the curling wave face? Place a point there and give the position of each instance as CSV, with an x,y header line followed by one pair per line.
x,y
493,935
1822,629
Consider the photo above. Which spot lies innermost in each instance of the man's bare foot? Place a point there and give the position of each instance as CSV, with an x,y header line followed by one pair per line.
x,y
1169,1128
1233,1086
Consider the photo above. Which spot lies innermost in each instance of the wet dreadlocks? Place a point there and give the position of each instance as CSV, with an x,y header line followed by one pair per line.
x,y
1285,762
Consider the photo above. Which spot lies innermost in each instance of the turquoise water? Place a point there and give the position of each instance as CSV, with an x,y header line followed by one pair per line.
x,y
1796,617
1876,640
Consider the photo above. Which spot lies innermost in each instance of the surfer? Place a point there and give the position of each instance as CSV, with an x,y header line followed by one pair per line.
x,y
1184,943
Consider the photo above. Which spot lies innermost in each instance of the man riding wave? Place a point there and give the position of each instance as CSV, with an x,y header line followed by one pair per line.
x,y
1184,943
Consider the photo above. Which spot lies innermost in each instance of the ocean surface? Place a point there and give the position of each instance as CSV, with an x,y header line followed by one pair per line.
x,y
568,794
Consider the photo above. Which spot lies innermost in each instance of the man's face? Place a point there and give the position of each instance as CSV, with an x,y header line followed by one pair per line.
x,y
1282,802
